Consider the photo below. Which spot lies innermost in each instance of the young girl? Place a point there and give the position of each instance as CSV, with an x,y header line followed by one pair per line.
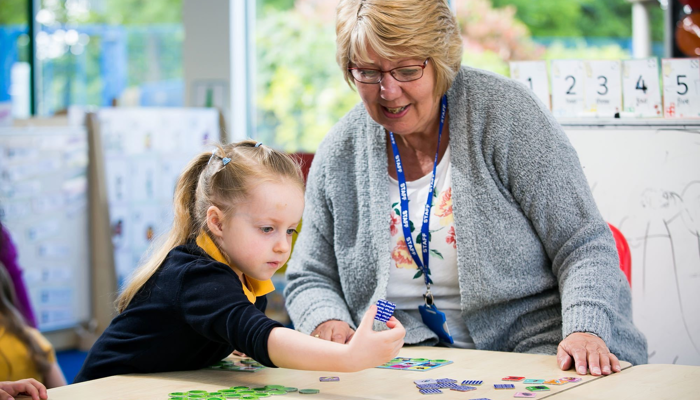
x,y
202,295
24,352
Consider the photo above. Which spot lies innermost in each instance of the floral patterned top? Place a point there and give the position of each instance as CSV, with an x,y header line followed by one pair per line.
x,y
406,282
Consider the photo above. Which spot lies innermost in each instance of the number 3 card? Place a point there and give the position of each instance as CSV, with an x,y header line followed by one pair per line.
x,y
640,87
681,77
603,88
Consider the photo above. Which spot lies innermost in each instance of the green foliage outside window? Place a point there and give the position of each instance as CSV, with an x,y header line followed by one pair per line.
x,y
301,93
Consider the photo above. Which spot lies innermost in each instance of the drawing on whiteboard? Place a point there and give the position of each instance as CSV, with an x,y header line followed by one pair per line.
x,y
669,218
646,182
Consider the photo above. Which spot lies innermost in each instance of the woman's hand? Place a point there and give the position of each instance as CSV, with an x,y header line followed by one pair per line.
x,y
29,387
334,330
586,350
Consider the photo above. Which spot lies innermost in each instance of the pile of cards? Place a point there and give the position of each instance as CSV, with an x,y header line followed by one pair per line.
x,y
385,309
433,386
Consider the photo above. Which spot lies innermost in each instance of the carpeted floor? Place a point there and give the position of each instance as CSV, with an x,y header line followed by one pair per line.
x,y
70,362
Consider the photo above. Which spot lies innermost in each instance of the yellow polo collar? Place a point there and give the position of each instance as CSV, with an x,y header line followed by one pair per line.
x,y
252,288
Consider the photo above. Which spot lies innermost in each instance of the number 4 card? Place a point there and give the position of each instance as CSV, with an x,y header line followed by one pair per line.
x,y
533,74
640,87
681,77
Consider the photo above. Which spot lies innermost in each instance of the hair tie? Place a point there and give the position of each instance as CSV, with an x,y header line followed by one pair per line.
x,y
258,144
226,160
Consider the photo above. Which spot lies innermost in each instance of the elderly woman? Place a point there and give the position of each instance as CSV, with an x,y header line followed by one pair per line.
x,y
455,194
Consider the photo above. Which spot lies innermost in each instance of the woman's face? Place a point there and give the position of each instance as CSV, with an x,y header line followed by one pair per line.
x,y
400,107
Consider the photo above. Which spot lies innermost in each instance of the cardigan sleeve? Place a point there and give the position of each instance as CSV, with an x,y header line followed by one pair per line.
x,y
212,302
542,171
313,293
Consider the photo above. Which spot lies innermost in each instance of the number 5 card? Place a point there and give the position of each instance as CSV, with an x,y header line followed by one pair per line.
x,y
640,87
681,77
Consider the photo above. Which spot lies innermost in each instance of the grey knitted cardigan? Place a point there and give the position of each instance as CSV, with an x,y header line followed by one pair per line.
x,y
536,261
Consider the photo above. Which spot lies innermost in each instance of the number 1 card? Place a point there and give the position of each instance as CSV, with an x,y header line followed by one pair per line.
x,y
681,77
533,74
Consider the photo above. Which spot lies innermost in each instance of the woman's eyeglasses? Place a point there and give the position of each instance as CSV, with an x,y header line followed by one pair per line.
x,y
406,73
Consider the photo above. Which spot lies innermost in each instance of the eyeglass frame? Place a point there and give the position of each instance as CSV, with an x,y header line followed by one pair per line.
x,y
422,67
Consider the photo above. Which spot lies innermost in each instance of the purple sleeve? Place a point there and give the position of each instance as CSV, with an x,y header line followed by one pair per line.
x,y
8,257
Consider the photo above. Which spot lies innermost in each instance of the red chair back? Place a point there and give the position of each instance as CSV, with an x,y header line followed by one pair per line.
x,y
623,251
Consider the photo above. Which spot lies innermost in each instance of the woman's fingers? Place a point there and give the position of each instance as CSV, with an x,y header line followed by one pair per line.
x,y
333,330
564,360
586,352
593,361
614,363
605,368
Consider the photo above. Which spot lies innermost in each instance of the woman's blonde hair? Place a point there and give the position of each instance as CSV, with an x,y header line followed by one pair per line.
x,y
397,29
220,178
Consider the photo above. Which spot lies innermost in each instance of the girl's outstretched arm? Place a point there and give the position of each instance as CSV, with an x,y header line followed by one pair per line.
x,y
367,349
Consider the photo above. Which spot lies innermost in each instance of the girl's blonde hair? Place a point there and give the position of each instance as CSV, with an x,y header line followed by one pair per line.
x,y
220,178
397,29
13,322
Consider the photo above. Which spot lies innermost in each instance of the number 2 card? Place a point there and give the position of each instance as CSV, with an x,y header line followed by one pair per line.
x,y
568,94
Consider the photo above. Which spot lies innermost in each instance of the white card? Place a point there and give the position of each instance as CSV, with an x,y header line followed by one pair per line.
x,y
603,88
568,88
681,78
640,87
533,74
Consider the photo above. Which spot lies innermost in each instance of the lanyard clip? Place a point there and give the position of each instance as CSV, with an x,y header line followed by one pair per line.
x,y
428,297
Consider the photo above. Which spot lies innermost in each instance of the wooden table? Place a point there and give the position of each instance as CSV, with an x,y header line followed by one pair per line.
x,y
376,383
651,381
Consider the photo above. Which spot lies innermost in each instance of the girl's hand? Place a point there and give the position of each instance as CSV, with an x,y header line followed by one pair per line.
x,y
238,354
586,351
29,387
368,348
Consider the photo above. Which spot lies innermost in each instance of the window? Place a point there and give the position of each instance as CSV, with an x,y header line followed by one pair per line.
x,y
14,58
104,52
300,92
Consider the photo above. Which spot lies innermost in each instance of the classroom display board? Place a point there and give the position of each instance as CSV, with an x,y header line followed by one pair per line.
x,y
44,206
646,182
626,89
145,150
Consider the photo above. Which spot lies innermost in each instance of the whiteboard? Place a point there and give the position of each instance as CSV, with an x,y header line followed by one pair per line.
x,y
145,149
44,206
646,181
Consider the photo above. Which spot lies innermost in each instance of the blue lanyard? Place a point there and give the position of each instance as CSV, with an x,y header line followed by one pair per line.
x,y
425,229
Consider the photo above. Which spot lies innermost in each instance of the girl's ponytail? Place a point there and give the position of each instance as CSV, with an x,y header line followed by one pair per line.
x,y
183,227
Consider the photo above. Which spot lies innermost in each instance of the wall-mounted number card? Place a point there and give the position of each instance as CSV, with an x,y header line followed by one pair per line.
x,y
681,78
640,87
533,74
568,88
603,83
